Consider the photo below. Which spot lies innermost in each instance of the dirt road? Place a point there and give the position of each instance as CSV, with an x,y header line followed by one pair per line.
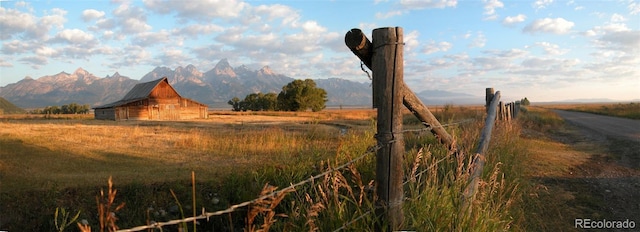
x,y
606,125
611,177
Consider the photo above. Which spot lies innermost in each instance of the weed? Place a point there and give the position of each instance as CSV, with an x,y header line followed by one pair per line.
x,y
62,220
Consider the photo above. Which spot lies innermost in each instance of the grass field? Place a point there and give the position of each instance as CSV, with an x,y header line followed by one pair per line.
x,y
625,110
62,162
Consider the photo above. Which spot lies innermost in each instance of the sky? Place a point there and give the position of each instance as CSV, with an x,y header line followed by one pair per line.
x,y
545,50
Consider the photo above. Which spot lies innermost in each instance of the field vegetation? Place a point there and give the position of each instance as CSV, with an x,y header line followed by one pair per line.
x,y
50,164
625,110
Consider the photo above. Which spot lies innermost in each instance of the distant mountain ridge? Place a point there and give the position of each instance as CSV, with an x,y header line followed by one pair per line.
x,y
7,107
214,87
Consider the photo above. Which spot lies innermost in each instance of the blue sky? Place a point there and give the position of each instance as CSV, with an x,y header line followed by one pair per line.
x,y
545,50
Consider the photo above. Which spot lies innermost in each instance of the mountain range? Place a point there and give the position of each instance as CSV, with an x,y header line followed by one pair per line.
x,y
214,87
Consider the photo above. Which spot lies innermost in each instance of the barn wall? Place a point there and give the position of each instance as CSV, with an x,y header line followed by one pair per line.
x,y
105,114
192,110
164,90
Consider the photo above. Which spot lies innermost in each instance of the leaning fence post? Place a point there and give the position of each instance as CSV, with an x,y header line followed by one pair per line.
x,y
479,159
387,64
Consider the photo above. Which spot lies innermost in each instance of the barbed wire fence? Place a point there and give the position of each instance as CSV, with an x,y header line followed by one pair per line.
x,y
371,150
389,92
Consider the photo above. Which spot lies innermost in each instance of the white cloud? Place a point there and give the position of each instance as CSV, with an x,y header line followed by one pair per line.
x,y
199,10
146,39
46,51
91,14
16,46
423,4
411,40
197,30
512,20
132,19
14,23
490,9
5,64
389,14
549,25
634,7
313,27
540,4
479,41
616,18
551,49
433,47
288,15
74,36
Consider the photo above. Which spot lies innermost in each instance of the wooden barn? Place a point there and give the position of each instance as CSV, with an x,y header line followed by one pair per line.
x,y
154,100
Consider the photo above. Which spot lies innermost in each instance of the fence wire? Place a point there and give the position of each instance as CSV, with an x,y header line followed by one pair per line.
x,y
371,150
430,127
207,215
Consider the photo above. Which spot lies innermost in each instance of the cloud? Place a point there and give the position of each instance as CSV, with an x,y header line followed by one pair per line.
x,y
195,30
34,61
634,8
433,47
17,46
91,14
389,14
628,41
132,19
424,4
549,25
5,64
288,15
147,39
535,66
479,41
46,51
616,18
490,9
198,10
14,23
540,4
551,49
512,20
74,36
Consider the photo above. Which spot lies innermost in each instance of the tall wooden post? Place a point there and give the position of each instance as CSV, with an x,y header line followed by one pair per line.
x,y
387,63
488,97
501,112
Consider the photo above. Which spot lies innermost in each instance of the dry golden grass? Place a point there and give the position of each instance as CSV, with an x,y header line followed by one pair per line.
x,y
38,153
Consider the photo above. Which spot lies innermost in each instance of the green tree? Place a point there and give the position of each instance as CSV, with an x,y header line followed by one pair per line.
x,y
525,102
235,104
301,95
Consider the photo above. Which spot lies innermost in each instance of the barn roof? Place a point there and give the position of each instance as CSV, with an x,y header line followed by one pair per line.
x,y
138,92
142,90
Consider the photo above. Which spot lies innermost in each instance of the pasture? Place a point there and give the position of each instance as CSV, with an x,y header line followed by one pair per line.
x,y
64,161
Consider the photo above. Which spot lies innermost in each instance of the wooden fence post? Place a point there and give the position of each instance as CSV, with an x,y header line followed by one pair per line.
x,y
501,112
387,64
363,49
479,159
517,110
488,97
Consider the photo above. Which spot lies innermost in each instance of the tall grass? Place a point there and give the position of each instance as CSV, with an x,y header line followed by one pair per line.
x,y
245,158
